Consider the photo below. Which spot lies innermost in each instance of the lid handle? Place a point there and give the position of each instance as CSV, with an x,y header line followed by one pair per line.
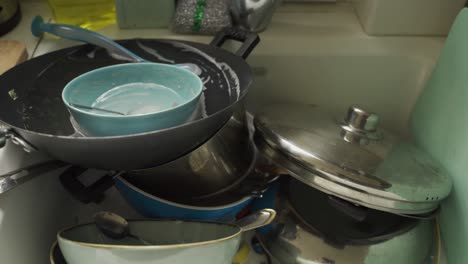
x,y
359,119
359,126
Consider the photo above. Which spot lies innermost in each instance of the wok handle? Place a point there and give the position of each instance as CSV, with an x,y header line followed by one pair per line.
x,y
357,213
85,194
12,179
249,39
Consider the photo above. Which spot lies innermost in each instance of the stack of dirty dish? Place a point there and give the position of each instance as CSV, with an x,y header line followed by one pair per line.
x,y
196,110
126,98
81,103
214,182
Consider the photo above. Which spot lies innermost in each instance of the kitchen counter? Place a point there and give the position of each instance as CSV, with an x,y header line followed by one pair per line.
x,y
295,29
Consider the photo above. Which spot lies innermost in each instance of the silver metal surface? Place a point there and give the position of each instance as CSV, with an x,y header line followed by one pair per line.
x,y
380,172
256,219
359,126
216,166
294,244
17,140
254,15
3,136
8,134
8,9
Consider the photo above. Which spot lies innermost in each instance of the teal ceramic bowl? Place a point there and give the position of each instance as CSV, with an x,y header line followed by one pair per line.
x,y
152,96
176,242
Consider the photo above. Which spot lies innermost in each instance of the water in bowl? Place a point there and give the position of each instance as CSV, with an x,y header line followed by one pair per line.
x,y
138,98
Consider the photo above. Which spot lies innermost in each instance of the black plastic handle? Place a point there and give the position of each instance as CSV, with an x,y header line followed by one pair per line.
x,y
358,213
86,194
249,39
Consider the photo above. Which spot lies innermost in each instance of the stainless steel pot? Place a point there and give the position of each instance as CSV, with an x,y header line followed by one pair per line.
x,y
295,244
312,227
216,166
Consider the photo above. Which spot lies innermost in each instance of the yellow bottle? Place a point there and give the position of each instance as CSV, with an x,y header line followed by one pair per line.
x,y
90,14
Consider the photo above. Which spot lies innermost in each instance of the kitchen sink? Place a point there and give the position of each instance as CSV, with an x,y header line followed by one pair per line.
x,y
388,85
314,57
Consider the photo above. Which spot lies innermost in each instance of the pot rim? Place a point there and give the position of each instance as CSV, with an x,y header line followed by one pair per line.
x,y
60,238
191,207
51,252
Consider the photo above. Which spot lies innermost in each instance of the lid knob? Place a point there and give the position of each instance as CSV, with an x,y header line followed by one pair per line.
x,y
359,119
359,126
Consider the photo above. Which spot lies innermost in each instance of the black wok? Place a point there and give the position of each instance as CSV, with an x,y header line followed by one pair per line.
x,y
35,117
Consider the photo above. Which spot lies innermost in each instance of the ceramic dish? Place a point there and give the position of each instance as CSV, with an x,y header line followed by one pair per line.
x,y
241,257
55,255
150,96
175,242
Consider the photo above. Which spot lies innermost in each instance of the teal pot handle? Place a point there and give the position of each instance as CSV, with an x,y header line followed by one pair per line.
x,y
258,219
38,27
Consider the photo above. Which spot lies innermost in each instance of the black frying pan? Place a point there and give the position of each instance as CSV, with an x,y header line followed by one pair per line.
x,y
36,118
342,223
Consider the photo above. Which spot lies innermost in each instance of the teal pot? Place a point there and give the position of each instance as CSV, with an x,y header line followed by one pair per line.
x,y
151,96
156,207
175,242
224,207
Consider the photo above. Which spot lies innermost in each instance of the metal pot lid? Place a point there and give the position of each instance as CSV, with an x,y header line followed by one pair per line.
x,y
351,158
